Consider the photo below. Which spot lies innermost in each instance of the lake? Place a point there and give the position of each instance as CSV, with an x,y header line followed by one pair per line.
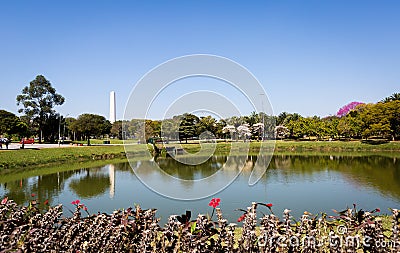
x,y
314,183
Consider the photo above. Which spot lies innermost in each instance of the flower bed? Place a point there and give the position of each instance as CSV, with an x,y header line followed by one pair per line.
x,y
27,229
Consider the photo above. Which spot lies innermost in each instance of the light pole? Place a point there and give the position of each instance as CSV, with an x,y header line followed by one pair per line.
x,y
64,128
59,128
263,123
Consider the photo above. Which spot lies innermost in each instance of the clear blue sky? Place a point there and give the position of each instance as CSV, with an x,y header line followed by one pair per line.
x,y
312,57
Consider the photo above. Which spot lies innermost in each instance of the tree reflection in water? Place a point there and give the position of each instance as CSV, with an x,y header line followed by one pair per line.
x,y
377,175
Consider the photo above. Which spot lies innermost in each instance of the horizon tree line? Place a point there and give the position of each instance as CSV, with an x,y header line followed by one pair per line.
x,y
355,120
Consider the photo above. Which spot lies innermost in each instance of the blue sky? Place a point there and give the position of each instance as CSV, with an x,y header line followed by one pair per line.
x,y
312,57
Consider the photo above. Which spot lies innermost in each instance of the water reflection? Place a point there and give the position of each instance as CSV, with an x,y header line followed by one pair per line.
x,y
378,172
313,183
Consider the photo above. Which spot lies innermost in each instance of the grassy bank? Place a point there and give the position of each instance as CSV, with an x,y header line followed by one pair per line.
x,y
28,158
306,146
10,175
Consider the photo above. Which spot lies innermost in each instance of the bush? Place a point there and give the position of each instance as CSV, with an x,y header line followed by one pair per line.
x,y
27,229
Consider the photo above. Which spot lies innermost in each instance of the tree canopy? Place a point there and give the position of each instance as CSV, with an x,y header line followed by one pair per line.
x,y
187,127
11,124
91,125
38,101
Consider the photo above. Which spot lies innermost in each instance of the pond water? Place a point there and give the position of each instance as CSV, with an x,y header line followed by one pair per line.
x,y
298,182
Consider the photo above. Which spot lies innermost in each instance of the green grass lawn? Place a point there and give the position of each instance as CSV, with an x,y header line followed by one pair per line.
x,y
46,156
100,141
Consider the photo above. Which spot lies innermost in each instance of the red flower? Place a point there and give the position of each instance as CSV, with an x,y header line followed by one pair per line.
x,y
214,202
33,194
241,218
378,210
4,201
76,202
46,202
269,205
85,208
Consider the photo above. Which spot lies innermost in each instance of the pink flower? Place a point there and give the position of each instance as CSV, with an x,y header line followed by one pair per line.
x,y
4,201
347,108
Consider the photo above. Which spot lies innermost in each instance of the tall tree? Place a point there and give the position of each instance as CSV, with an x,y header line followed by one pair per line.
x,y
38,100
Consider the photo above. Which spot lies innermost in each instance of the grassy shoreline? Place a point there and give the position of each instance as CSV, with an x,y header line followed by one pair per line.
x,y
19,160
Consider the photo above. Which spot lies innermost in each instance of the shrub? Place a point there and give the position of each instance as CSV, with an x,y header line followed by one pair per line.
x,y
27,229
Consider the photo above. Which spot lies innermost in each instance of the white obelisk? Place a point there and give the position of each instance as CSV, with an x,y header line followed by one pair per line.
x,y
112,107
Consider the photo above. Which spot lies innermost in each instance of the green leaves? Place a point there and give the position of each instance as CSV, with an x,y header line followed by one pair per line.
x,y
91,124
38,100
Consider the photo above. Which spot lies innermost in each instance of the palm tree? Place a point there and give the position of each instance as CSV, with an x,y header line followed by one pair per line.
x,y
393,97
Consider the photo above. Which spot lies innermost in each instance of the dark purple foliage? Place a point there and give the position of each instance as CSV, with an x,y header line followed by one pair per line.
x,y
27,229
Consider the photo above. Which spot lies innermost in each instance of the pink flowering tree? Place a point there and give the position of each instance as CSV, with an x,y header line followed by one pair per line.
x,y
347,108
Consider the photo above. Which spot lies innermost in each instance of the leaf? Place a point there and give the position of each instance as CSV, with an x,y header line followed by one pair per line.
x,y
193,227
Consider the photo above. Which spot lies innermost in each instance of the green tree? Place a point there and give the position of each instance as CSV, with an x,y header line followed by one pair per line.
x,y
380,119
52,127
393,110
207,123
349,126
218,128
280,119
11,124
253,118
330,125
38,100
170,128
156,126
187,127
235,121
91,125
116,129
148,129
296,124
135,129
71,132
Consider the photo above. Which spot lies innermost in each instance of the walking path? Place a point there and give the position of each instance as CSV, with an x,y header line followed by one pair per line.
x,y
13,146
